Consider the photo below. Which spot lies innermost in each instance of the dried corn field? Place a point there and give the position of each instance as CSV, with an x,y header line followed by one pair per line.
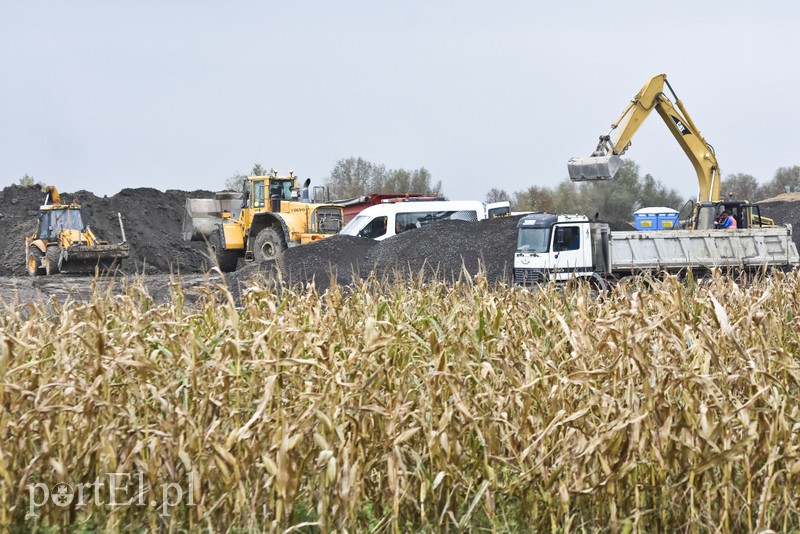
x,y
407,407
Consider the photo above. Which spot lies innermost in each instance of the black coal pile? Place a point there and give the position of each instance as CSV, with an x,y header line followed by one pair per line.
x,y
19,207
784,212
441,250
341,257
152,221
448,248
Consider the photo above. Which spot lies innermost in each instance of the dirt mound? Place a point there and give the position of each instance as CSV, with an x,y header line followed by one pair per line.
x,y
340,256
440,250
445,248
784,212
783,197
152,222
18,209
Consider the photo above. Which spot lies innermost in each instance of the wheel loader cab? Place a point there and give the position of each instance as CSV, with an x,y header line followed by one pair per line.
x,y
270,189
281,189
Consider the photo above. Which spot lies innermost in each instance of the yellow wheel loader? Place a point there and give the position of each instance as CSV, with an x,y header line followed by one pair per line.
x,y
62,242
269,216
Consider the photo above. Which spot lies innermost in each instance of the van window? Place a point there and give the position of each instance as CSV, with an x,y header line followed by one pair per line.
x,y
407,221
375,229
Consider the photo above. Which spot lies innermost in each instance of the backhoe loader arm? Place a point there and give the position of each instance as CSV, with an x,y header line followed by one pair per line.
x,y
605,162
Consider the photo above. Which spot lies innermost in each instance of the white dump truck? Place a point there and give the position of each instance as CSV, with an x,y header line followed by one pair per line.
x,y
559,248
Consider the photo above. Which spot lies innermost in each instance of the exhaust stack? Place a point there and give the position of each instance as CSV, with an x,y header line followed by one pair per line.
x,y
593,168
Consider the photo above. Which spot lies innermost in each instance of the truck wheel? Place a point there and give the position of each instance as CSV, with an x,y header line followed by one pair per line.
x,y
268,245
226,259
51,263
34,262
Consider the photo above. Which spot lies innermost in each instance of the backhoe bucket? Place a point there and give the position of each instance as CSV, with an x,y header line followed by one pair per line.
x,y
85,259
202,215
593,168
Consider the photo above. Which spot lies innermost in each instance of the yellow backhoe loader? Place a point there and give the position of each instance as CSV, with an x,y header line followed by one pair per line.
x,y
270,215
63,243
606,160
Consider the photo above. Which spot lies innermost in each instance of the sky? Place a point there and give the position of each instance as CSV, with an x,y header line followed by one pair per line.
x,y
172,94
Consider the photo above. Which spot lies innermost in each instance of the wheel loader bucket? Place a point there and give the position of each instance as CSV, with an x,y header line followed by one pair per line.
x,y
593,168
202,215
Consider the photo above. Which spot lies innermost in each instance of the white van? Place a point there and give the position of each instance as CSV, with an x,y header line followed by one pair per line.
x,y
392,218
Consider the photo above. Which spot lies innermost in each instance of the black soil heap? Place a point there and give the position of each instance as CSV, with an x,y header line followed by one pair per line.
x,y
152,222
153,229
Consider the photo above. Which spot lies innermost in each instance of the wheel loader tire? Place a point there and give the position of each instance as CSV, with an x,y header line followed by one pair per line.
x,y
226,259
268,245
51,263
34,262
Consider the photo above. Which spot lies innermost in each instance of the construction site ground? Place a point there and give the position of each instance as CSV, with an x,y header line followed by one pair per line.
x,y
159,256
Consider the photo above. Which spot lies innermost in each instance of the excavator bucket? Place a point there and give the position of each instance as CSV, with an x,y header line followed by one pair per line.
x,y
202,215
593,168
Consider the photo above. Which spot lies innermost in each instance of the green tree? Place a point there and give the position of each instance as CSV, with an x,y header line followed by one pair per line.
x,y
786,180
740,187
497,195
654,193
534,198
234,181
29,181
353,177
615,199
415,181
611,200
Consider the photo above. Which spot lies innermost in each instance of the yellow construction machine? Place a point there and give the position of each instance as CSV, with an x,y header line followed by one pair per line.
x,y
63,243
270,215
606,160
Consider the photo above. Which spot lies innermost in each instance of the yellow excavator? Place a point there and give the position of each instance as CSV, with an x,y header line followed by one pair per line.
x,y
605,161
271,214
62,242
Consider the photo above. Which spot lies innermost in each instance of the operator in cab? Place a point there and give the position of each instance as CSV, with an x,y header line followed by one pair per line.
x,y
726,221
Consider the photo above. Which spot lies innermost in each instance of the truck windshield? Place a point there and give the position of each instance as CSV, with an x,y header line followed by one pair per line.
x,y
533,240
355,224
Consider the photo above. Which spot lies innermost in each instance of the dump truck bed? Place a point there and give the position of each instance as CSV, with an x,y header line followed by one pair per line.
x,y
675,250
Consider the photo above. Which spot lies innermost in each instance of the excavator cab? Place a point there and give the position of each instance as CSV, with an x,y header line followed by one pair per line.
x,y
747,215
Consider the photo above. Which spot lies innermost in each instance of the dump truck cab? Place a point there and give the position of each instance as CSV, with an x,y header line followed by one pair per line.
x,y
552,247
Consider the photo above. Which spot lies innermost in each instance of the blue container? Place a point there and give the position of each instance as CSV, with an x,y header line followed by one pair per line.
x,y
667,221
645,221
655,219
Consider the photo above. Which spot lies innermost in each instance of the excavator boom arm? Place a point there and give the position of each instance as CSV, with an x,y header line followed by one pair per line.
x,y
604,162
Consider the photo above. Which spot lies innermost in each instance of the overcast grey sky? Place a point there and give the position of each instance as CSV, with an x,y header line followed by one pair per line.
x,y
104,95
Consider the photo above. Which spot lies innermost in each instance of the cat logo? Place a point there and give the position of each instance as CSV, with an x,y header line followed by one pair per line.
x,y
681,127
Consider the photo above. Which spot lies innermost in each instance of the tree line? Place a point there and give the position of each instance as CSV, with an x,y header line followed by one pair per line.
x,y
617,199
355,177
611,200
